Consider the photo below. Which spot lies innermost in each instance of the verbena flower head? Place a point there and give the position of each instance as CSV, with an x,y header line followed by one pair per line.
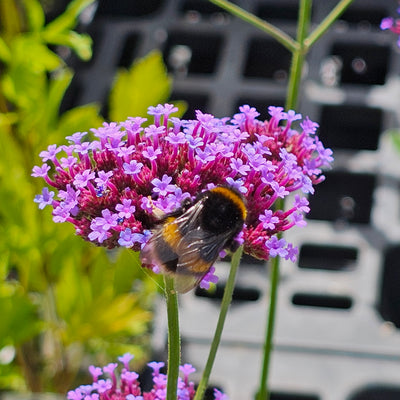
x,y
392,24
109,385
109,187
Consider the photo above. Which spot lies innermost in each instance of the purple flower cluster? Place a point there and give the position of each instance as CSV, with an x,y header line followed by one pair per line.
x,y
110,187
393,24
127,387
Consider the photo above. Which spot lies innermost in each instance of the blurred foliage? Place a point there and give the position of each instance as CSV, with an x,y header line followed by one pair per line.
x,y
137,87
63,302
395,134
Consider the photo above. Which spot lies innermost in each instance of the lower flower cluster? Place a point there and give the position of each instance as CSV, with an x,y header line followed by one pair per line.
x,y
127,385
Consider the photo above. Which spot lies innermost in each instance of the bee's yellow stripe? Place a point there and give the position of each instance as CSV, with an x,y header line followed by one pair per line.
x,y
171,233
231,195
173,238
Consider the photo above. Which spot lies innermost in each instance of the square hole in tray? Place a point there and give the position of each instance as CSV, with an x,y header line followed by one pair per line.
x,y
241,294
343,197
327,257
128,8
260,104
194,53
129,49
321,300
377,392
72,95
267,59
364,15
292,396
350,127
389,296
280,10
194,101
365,64
202,7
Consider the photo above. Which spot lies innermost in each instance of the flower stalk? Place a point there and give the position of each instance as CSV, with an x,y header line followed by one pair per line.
x,y
298,55
298,58
280,36
327,22
226,301
174,340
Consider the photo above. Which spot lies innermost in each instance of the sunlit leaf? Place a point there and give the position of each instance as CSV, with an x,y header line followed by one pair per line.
x,y
146,83
35,15
5,53
57,87
396,140
28,50
18,319
81,44
79,119
67,20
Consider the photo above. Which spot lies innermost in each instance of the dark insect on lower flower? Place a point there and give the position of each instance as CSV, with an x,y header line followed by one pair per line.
x,y
188,241
109,186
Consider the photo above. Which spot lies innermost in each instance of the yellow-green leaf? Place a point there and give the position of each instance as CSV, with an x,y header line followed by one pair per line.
x,y
81,44
68,18
5,53
79,119
145,84
34,14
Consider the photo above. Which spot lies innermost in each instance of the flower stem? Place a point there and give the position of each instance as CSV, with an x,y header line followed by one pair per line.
x,y
226,301
174,340
259,23
298,55
263,391
327,22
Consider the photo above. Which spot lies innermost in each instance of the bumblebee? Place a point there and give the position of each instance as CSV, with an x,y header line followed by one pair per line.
x,y
187,242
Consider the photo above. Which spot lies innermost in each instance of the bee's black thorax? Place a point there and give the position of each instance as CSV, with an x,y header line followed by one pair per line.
x,y
222,213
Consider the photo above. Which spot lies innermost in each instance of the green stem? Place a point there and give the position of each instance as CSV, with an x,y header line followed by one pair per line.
x,y
298,56
263,391
226,301
327,22
259,23
174,340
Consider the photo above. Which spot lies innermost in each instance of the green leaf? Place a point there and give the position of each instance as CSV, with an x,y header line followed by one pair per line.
x,y
81,44
68,18
79,119
145,84
32,52
18,319
7,119
5,53
91,309
34,14
57,87
396,139
127,268
182,107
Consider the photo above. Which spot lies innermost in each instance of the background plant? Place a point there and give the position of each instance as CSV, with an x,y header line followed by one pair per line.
x,y
62,300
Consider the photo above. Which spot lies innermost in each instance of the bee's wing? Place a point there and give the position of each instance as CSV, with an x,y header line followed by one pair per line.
x,y
165,244
193,250
199,252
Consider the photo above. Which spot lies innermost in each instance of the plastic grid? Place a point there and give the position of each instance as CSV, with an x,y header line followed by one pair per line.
x,y
336,334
